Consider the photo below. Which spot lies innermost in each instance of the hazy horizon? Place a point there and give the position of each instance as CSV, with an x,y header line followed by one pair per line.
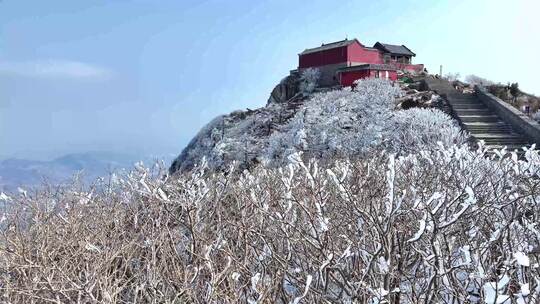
x,y
141,77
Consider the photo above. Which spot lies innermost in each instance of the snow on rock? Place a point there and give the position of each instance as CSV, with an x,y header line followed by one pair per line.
x,y
325,125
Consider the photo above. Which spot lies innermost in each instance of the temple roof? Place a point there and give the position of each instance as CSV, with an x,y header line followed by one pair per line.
x,y
329,46
394,49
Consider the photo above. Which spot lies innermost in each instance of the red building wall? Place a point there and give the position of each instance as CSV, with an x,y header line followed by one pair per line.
x,y
348,78
357,53
392,75
332,56
409,67
352,53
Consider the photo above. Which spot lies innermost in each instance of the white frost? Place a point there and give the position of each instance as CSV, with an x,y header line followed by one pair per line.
x,y
254,280
522,259
421,230
4,197
493,291
92,247
308,283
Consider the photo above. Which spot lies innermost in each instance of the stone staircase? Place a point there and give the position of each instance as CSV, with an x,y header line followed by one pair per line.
x,y
478,119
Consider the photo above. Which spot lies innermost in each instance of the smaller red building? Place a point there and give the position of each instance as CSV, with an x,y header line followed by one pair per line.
x,y
343,62
347,76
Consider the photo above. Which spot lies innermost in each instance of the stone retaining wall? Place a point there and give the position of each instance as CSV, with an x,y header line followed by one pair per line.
x,y
328,74
518,120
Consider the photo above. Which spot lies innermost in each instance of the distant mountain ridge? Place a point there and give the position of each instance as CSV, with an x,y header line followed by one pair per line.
x,y
16,172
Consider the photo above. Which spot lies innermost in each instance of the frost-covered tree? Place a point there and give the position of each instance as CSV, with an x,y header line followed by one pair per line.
x,y
445,225
536,116
422,129
337,123
309,79
477,80
514,90
452,76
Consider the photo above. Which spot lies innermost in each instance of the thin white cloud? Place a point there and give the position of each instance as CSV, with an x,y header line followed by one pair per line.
x,y
55,69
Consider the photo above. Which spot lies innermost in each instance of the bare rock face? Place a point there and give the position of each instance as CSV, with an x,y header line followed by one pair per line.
x,y
285,89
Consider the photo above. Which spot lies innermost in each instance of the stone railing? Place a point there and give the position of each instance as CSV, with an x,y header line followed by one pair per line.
x,y
518,120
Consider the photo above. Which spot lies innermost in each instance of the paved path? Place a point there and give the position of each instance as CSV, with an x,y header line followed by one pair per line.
x,y
477,118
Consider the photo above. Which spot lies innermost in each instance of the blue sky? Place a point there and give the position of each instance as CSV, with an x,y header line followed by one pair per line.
x,y
144,76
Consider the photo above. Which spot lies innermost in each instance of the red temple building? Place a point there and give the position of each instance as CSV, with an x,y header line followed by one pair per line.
x,y
343,62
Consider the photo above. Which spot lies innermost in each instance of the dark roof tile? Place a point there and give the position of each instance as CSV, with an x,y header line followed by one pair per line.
x,y
329,46
394,49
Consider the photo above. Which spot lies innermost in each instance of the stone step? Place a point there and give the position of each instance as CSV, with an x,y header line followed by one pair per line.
x,y
479,118
468,98
486,124
503,141
498,136
464,100
487,130
519,148
487,127
468,106
485,111
509,146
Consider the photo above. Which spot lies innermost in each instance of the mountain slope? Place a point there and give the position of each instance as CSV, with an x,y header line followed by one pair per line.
x,y
324,125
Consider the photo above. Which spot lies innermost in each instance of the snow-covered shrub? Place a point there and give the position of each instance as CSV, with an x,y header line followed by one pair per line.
x,y
477,80
452,76
449,225
536,116
237,137
339,123
309,79
422,129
